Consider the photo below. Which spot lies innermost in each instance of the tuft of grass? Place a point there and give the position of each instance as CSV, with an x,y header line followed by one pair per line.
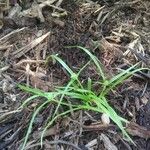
x,y
74,90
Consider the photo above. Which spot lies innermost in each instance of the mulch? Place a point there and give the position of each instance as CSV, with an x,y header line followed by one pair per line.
x,y
116,31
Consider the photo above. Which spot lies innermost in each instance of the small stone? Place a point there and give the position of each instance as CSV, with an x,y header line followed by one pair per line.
x,y
105,119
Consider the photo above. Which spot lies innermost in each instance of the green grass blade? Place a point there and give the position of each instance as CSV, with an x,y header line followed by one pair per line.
x,y
52,121
89,84
124,72
75,95
28,100
63,64
95,60
83,67
62,96
119,79
32,90
31,123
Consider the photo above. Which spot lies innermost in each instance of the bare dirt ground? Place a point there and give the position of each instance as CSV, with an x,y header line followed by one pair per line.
x,y
116,31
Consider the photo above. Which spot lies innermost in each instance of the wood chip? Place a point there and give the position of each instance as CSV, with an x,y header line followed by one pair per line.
x,y
27,48
137,130
107,143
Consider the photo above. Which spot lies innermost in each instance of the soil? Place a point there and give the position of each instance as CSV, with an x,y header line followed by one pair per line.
x,y
115,31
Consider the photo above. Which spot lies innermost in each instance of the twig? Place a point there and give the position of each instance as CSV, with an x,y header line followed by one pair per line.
x,y
11,35
28,61
33,44
54,142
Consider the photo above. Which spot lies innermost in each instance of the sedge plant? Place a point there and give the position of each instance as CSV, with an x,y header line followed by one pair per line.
x,y
74,90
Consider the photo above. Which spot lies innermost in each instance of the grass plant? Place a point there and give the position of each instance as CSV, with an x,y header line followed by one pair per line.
x,y
74,90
